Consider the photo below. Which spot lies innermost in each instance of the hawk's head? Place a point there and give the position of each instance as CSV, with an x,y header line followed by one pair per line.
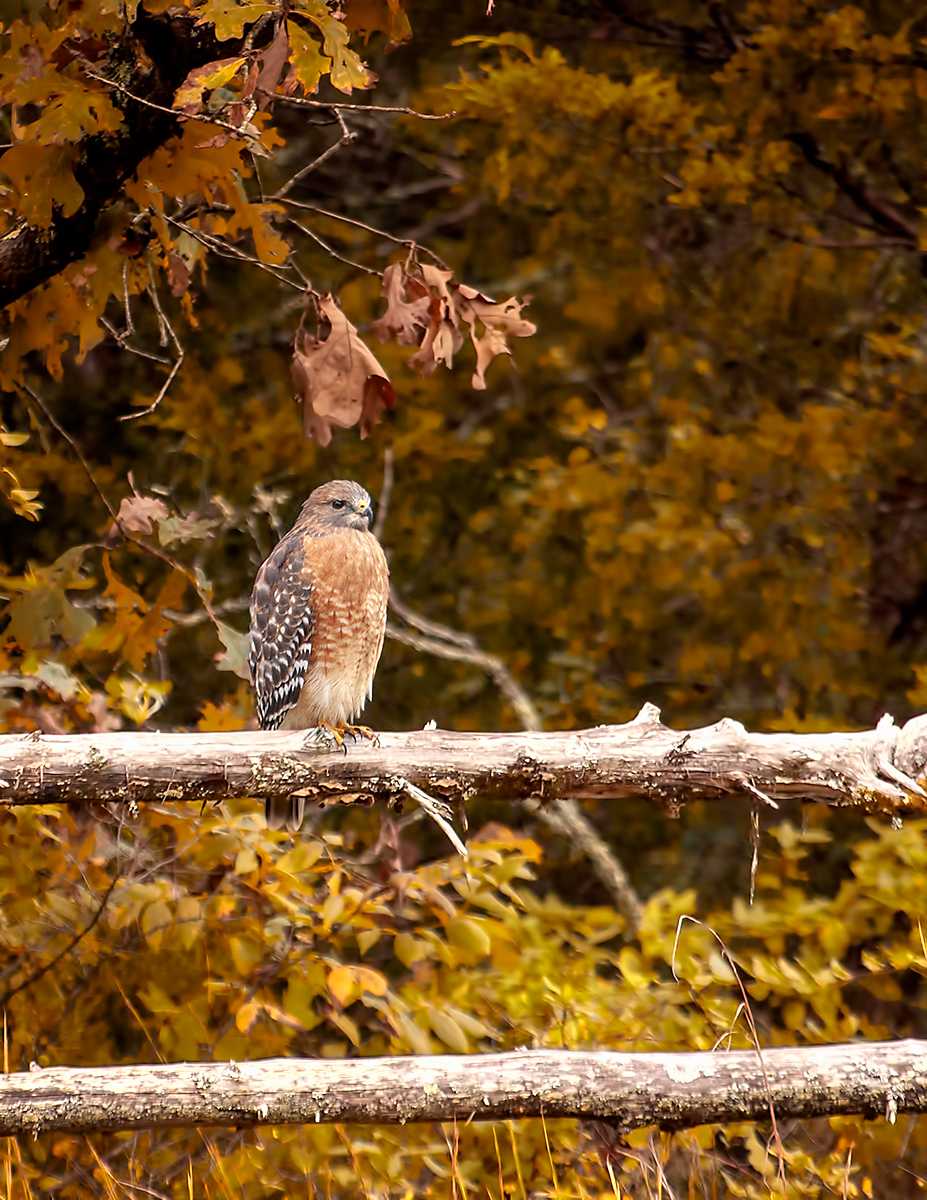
x,y
340,504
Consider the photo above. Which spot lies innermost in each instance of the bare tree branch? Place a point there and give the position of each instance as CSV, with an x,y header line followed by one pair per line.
x,y
567,820
875,1079
873,771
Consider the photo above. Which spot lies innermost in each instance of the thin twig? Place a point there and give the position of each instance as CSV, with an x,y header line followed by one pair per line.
x,y
412,245
567,819
37,975
178,115
120,339
330,250
152,550
385,492
62,432
226,250
384,108
347,137
748,1012
166,327
439,812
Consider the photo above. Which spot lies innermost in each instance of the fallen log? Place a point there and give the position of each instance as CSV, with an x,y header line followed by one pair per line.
x,y
874,770
629,1090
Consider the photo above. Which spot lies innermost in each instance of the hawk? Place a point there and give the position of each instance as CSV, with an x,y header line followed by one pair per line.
x,y
318,618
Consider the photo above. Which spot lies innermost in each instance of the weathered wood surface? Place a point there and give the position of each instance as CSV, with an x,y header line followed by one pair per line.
x,y
875,770
672,1090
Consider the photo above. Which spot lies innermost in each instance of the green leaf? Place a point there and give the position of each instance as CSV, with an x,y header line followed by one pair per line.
x,y
236,646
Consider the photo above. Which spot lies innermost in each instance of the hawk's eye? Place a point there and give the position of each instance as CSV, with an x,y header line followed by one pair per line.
x,y
337,504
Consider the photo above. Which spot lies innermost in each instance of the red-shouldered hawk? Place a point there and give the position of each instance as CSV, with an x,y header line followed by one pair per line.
x,y
318,618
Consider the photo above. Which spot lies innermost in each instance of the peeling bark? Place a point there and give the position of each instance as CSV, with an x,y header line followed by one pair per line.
x,y
628,1090
874,771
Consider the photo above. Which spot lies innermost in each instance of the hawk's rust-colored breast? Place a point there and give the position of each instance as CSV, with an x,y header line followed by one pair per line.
x,y
318,621
348,593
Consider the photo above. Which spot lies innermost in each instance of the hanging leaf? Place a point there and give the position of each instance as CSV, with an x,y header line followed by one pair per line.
x,y
404,318
338,380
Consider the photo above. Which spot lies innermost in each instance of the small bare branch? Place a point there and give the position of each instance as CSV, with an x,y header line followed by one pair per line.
x,y
359,108
207,118
386,492
166,328
347,137
332,251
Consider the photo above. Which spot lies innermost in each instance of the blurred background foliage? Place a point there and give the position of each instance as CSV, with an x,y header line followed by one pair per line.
x,y
701,483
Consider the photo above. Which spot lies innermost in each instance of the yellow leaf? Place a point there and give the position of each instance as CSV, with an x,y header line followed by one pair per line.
x,y
369,980
246,862
308,62
230,18
245,954
468,935
247,1015
346,1025
366,939
347,70
44,179
155,920
341,985
409,949
448,1031
206,78
331,911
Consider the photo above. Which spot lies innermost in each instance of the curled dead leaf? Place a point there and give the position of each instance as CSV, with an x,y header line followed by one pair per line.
x,y
408,307
497,320
439,305
338,379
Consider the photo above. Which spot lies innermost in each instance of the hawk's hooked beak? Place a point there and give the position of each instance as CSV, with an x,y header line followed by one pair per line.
x,y
362,517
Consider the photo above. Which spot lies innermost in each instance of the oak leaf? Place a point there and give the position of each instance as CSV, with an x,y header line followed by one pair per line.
x,y
347,70
307,62
372,16
189,95
273,62
404,318
497,320
44,179
338,380
138,514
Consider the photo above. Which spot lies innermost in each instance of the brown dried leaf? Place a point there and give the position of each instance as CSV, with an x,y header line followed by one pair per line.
x,y
404,317
451,303
178,273
498,320
442,337
338,380
273,60
138,514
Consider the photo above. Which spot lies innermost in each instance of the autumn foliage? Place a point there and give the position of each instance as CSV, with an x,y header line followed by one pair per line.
x,y
698,480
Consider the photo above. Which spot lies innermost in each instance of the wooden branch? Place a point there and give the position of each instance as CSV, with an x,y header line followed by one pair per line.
x,y
630,1090
874,770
